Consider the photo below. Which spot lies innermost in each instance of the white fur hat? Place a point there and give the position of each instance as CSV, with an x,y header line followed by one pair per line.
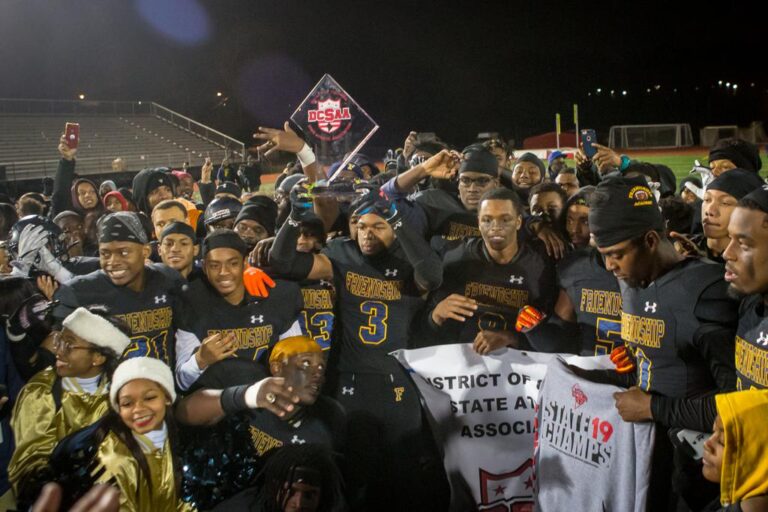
x,y
141,368
96,330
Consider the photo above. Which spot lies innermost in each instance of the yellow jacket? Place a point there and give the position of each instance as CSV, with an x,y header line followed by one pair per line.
x,y
122,470
745,458
38,426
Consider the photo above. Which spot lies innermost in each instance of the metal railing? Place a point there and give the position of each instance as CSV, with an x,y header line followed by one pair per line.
x,y
81,107
183,122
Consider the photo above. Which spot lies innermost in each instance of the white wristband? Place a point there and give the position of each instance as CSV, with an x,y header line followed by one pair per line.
x,y
251,395
306,156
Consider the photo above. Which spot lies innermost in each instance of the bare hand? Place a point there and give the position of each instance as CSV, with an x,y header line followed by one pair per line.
x,y
215,348
259,256
47,286
606,158
65,151
409,146
582,161
278,140
488,341
552,240
456,307
684,245
206,171
283,399
443,165
633,405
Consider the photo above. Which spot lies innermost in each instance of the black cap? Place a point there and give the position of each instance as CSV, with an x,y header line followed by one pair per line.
x,y
478,159
621,209
224,238
743,154
736,182
229,187
221,208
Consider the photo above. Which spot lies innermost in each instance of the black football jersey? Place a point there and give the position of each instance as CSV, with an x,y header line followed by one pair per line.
x,y
256,323
447,219
148,313
500,290
659,325
377,299
752,345
317,316
596,298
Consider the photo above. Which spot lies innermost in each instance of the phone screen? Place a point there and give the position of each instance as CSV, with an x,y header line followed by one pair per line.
x,y
72,134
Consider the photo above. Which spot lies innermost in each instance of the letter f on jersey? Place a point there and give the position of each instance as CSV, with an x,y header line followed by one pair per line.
x,y
650,308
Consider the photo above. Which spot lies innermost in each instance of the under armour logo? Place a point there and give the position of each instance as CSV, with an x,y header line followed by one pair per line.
x,y
296,440
293,223
397,225
390,272
515,279
347,391
650,307
762,339
325,283
160,299
399,394
257,319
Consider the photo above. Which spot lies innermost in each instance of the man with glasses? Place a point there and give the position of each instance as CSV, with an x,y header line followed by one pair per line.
x,y
437,213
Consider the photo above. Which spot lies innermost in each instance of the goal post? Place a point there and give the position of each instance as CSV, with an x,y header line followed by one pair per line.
x,y
650,136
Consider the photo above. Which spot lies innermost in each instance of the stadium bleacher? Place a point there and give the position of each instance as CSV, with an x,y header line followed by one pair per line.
x,y
28,143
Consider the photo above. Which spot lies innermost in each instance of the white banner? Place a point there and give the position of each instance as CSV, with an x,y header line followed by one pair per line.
x,y
483,409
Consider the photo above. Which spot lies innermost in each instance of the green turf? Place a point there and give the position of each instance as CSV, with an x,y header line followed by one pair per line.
x,y
680,164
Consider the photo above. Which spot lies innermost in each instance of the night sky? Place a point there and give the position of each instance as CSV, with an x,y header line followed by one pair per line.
x,y
456,68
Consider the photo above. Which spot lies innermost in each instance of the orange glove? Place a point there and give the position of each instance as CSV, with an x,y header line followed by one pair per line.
x,y
622,358
528,318
256,282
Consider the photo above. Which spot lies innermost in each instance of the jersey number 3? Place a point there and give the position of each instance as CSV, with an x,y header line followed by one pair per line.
x,y
376,331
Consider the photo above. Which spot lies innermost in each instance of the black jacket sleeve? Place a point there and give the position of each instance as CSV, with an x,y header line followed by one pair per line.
x,y
62,187
696,414
207,191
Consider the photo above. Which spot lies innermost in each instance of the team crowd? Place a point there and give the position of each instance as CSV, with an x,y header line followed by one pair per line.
x,y
196,344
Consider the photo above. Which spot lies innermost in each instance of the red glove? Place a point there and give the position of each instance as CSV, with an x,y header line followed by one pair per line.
x,y
528,318
256,282
622,358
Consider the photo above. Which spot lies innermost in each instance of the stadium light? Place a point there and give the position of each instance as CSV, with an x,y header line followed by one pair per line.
x,y
81,96
599,90
727,84
735,86
623,93
719,82
218,94
648,90
657,87
752,84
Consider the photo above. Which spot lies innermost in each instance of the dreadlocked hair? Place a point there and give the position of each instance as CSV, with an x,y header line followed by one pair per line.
x,y
281,464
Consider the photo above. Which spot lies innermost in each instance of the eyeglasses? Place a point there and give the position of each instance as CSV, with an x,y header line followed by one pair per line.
x,y
481,181
65,345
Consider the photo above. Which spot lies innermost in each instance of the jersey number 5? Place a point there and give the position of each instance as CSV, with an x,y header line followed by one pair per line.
x,y
608,333
376,331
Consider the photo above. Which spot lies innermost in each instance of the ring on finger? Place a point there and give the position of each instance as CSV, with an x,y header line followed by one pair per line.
x,y
271,398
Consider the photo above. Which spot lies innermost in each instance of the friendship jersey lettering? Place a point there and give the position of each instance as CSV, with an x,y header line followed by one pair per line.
x,y
601,302
149,320
641,330
752,361
500,295
248,337
372,288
